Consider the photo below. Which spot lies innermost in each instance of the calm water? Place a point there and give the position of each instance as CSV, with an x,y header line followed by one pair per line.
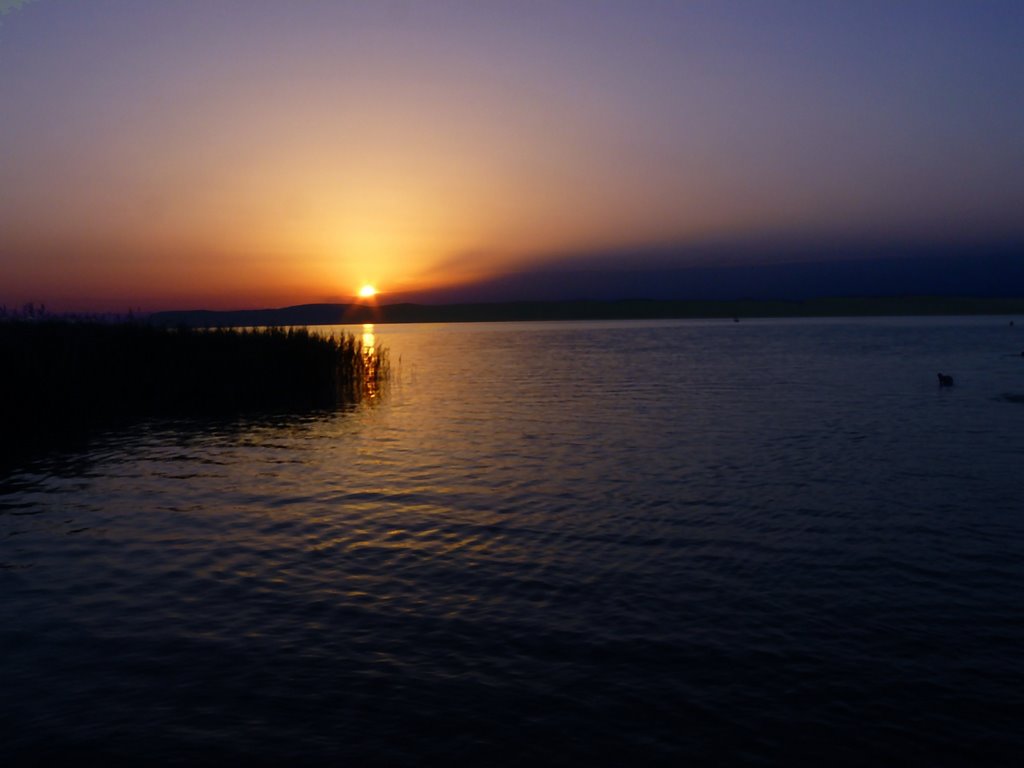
x,y
772,542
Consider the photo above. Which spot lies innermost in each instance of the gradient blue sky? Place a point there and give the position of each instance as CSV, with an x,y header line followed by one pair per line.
x,y
230,154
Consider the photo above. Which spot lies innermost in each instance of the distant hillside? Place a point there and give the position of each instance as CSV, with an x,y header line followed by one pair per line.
x,y
336,314
303,314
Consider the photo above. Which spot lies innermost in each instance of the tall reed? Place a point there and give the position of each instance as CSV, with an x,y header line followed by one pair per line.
x,y
59,376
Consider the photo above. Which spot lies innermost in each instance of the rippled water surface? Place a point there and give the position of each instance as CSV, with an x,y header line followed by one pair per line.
x,y
771,542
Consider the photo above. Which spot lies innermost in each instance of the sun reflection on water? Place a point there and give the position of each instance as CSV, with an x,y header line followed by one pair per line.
x,y
373,361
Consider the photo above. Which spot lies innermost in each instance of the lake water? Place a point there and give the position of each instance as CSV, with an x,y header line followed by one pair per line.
x,y
755,543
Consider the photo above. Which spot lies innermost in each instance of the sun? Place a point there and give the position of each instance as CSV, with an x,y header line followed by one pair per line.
x,y
367,292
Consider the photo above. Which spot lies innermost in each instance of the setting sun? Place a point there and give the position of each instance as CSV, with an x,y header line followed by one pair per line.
x,y
367,292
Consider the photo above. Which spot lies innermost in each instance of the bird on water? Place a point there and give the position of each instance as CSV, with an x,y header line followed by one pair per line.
x,y
945,380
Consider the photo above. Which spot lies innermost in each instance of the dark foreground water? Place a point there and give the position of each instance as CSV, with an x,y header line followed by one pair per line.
x,y
690,543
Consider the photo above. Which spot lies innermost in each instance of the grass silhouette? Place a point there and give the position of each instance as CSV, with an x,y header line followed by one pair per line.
x,y
65,378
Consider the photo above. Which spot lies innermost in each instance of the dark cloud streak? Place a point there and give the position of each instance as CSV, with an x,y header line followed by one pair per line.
x,y
983,269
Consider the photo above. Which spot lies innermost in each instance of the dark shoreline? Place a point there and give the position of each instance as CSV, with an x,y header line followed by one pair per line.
x,y
631,309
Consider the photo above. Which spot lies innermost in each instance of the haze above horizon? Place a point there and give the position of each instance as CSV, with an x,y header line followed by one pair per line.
x,y
252,154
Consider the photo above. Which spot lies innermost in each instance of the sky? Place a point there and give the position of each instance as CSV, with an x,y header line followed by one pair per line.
x,y
245,153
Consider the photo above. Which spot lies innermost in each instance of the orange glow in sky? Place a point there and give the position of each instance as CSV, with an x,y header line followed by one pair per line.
x,y
237,154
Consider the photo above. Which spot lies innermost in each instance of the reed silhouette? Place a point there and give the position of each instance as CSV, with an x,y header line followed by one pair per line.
x,y
64,378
